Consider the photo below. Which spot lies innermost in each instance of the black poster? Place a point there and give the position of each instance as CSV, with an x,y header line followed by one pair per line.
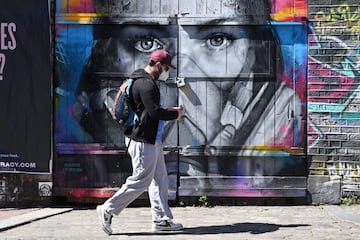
x,y
25,86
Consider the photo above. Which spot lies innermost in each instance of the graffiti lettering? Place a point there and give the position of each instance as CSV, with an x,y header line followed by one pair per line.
x,y
344,169
343,15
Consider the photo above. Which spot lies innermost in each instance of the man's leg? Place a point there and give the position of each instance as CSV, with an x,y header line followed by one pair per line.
x,y
158,193
143,162
143,159
158,189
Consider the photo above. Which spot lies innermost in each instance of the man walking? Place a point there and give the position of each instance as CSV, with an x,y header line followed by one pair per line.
x,y
146,149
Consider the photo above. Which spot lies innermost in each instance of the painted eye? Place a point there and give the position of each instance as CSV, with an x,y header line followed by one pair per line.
x,y
218,41
147,44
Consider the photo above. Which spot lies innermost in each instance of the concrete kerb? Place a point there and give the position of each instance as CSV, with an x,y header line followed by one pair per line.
x,y
35,215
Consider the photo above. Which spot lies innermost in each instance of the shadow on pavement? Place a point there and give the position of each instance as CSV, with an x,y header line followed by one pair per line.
x,y
253,228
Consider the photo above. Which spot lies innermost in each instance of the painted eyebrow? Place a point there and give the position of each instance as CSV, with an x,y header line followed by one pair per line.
x,y
202,32
149,30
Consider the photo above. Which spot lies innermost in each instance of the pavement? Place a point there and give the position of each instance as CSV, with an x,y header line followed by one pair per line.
x,y
218,222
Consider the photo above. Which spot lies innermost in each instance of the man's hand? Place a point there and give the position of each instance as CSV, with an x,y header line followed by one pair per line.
x,y
180,111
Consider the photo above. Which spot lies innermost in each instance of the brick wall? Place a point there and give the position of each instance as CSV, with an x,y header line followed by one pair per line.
x,y
334,93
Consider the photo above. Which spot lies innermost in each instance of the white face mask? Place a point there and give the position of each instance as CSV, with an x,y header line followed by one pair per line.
x,y
164,76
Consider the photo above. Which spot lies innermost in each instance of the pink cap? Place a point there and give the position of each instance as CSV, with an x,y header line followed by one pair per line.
x,y
163,57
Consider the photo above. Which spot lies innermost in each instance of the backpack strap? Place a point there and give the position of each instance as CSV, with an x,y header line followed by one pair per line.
x,y
128,83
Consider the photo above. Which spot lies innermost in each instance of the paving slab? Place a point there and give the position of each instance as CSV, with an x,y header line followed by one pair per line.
x,y
350,213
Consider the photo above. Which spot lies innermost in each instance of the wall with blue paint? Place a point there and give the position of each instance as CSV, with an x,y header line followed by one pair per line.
x,y
243,64
271,96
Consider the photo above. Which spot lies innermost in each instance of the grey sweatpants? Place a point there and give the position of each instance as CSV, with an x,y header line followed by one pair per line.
x,y
149,171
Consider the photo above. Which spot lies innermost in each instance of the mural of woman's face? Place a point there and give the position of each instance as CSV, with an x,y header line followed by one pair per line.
x,y
230,58
128,47
213,52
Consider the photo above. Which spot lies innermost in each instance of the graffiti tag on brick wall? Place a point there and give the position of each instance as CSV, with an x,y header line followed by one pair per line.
x,y
334,88
344,169
345,15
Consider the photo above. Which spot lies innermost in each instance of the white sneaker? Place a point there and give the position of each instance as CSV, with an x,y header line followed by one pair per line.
x,y
167,225
105,219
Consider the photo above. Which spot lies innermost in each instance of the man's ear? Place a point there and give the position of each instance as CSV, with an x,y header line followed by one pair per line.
x,y
158,65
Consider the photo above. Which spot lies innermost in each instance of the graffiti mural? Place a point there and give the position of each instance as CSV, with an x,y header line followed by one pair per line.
x,y
333,90
241,69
